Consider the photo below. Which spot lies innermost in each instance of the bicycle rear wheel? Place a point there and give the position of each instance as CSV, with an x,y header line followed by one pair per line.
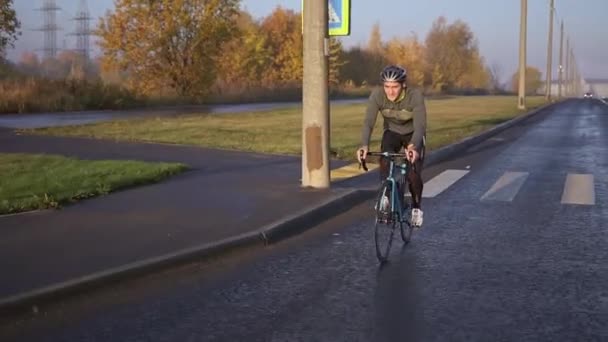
x,y
384,228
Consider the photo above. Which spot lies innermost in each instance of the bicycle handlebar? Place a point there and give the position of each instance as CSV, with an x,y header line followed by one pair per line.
x,y
390,155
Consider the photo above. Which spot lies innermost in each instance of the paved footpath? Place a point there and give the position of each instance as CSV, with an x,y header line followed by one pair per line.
x,y
224,195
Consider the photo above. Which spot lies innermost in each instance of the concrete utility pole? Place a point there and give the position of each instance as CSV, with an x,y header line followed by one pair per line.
x,y
315,106
549,53
567,70
561,62
522,55
572,71
573,75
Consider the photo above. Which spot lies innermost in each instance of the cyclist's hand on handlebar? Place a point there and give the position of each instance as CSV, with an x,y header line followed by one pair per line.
x,y
412,153
362,153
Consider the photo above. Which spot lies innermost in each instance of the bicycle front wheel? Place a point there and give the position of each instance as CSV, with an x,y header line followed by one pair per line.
x,y
405,225
384,231
384,228
406,230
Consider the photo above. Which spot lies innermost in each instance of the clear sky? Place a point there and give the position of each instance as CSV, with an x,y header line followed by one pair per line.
x,y
495,24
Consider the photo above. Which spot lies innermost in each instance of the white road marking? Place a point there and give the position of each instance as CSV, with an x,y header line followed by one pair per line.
x,y
579,189
506,187
442,181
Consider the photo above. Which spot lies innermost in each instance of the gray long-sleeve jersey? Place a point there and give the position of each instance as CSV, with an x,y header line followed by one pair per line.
x,y
404,116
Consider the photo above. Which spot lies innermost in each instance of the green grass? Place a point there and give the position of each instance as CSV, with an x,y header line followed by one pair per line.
x,y
30,181
279,131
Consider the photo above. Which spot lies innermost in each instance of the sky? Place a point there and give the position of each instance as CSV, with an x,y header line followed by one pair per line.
x,y
495,24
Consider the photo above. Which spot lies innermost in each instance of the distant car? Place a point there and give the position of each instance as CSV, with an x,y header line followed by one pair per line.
x,y
588,95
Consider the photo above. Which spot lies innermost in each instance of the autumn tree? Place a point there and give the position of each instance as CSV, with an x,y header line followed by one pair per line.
x,y
376,50
163,43
336,60
362,64
450,50
9,26
408,53
476,75
358,66
53,68
282,30
374,44
245,58
29,63
533,81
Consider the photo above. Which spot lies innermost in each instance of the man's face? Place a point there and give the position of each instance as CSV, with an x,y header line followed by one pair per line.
x,y
392,90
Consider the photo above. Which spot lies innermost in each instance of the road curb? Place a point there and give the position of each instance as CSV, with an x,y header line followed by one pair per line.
x,y
30,300
313,216
271,233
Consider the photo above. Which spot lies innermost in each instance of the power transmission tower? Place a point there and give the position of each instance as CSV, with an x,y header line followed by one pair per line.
x,y
83,30
49,27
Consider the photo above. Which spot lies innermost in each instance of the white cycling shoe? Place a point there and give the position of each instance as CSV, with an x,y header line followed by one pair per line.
x,y
416,219
384,204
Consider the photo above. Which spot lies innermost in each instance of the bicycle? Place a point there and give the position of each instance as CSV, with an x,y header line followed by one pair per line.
x,y
398,211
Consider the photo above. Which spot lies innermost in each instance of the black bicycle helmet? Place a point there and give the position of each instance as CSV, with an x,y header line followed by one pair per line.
x,y
393,73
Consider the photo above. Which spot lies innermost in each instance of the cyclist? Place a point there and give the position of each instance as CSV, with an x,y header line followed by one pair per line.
x,y
404,113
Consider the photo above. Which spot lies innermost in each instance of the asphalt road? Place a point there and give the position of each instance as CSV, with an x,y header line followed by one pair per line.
x,y
513,249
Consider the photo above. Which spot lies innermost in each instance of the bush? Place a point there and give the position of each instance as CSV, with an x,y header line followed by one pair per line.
x,y
21,95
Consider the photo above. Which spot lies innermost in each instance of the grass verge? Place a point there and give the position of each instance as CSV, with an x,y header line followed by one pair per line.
x,y
279,131
30,181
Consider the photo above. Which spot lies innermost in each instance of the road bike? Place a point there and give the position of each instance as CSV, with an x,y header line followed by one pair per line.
x,y
398,209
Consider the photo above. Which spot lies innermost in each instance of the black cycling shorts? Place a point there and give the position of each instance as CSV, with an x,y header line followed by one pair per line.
x,y
393,142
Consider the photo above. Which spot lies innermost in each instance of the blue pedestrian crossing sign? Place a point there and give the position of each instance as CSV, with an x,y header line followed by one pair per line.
x,y
339,17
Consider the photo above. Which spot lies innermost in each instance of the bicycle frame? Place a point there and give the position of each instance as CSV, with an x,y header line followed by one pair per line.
x,y
395,201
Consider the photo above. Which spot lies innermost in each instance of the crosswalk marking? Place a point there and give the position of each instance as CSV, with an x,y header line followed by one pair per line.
x,y
441,182
506,187
579,189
